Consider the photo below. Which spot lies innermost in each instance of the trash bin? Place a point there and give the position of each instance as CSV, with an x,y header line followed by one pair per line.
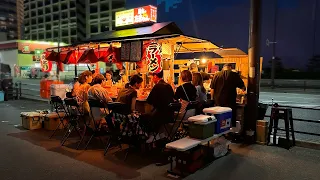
x,y
262,132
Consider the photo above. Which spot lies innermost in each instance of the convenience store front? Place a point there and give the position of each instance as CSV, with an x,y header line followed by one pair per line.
x,y
24,56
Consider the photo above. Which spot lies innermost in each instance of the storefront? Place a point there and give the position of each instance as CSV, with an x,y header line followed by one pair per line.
x,y
24,57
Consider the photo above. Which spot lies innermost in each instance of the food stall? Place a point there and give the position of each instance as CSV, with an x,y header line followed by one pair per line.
x,y
142,46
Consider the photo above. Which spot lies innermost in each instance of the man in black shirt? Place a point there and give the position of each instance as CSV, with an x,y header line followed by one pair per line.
x,y
160,97
224,89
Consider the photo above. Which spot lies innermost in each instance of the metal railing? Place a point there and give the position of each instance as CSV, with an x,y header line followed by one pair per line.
x,y
301,120
22,90
291,83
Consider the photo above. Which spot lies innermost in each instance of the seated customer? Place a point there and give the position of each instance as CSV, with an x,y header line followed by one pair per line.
x,y
109,81
97,92
160,97
185,93
128,95
197,81
76,86
81,93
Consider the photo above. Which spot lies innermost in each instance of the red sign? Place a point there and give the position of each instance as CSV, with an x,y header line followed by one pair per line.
x,y
214,68
153,56
145,14
136,16
46,66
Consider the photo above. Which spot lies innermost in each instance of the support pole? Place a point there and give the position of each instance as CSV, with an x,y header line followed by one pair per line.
x,y
58,72
75,70
273,63
254,69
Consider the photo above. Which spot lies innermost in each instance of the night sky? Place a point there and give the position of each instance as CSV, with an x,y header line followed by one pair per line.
x,y
226,23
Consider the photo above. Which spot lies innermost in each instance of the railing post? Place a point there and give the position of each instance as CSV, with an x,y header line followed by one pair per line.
x,y
20,93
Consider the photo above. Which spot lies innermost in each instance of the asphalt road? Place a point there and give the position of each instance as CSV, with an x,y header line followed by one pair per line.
x,y
22,158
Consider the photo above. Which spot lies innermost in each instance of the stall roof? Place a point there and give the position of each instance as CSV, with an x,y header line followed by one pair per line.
x,y
166,31
157,29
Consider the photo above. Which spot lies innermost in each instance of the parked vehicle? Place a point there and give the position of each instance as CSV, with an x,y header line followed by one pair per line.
x,y
36,73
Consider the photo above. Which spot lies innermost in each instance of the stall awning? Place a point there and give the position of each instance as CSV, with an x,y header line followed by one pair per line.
x,y
157,29
188,44
229,52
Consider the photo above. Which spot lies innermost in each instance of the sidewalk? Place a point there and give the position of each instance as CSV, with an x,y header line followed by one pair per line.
x,y
24,158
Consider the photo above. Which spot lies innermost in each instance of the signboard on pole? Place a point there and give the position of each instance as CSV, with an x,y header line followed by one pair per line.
x,y
134,16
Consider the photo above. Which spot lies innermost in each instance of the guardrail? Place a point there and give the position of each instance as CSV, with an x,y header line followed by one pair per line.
x,y
301,120
22,90
291,83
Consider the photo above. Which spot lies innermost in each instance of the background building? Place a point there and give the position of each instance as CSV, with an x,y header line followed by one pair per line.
x,y
69,20
11,18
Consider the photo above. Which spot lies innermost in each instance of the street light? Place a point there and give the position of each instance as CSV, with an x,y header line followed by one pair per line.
x,y
273,64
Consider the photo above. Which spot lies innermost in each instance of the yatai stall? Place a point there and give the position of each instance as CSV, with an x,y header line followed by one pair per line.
x,y
142,46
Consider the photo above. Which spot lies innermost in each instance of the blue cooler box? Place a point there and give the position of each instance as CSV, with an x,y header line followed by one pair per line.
x,y
223,116
1,96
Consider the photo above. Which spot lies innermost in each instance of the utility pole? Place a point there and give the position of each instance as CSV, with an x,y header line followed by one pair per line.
x,y
315,7
273,63
254,69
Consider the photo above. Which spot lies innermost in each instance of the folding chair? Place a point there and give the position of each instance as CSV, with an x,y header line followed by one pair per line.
x,y
58,106
74,114
175,108
192,105
113,125
120,116
96,129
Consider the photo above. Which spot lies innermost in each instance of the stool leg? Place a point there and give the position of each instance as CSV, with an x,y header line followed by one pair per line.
x,y
275,129
286,123
270,127
292,129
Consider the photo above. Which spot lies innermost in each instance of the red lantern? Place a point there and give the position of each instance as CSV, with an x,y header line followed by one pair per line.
x,y
46,66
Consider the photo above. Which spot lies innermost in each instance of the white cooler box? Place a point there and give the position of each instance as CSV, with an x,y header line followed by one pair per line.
x,y
223,116
201,126
59,90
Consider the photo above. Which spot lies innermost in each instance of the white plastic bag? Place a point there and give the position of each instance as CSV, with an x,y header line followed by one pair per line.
x,y
220,146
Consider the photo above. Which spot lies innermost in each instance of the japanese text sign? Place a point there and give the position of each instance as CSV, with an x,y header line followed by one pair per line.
x,y
46,66
153,55
136,16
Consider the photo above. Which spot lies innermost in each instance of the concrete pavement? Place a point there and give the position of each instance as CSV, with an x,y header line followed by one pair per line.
x,y
23,158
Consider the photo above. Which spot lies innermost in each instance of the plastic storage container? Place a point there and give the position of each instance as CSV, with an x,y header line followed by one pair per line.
x,y
52,120
31,120
223,116
1,96
202,126
59,90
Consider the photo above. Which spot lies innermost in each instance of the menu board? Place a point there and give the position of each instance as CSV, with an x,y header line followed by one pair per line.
x,y
136,51
131,51
125,51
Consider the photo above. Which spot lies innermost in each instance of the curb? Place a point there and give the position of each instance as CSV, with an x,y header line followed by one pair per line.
x,y
34,99
306,144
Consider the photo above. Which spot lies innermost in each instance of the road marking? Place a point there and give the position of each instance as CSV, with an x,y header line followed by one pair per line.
x,y
4,121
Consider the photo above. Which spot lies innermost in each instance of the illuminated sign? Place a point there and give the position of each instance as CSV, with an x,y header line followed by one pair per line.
x,y
136,16
153,56
25,49
46,65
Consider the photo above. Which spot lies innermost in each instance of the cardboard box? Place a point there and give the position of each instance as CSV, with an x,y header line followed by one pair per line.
x,y
31,120
52,120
